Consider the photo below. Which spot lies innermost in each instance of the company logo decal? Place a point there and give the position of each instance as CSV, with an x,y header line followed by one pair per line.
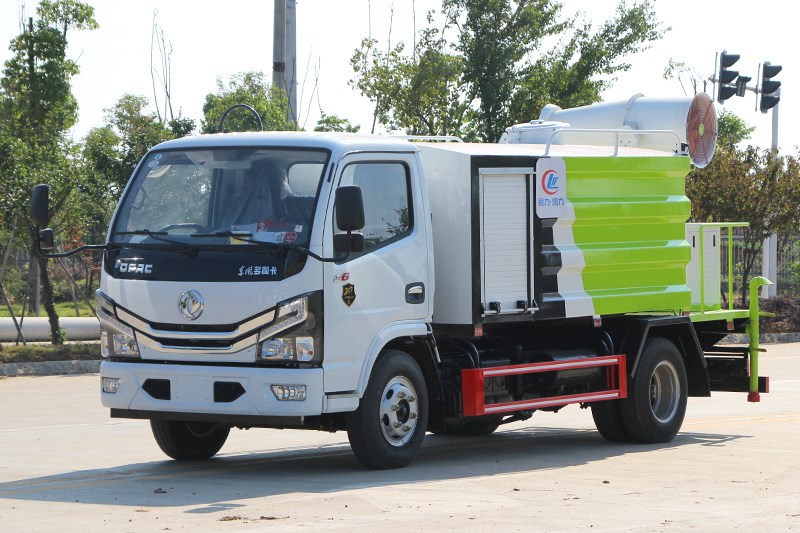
x,y
349,294
550,182
341,277
551,189
258,270
190,304
132,266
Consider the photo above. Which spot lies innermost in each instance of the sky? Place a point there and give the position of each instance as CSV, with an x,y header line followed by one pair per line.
x,y
212,40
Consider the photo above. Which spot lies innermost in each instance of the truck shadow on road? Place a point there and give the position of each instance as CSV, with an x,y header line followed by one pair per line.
x,y
214,484
329,469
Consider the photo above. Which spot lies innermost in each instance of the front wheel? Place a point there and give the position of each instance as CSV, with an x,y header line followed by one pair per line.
x,y
656,403
388,428
189,440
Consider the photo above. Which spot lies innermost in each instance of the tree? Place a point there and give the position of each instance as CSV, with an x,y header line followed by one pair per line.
x,y
36,109
494,38
578,72
420,94
246,88
335,123
732,130
492,65
751,185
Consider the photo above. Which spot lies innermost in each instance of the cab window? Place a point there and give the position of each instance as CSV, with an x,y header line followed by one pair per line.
x,y
386,189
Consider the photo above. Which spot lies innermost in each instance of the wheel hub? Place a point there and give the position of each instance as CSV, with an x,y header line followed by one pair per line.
x,y
665,392
399,411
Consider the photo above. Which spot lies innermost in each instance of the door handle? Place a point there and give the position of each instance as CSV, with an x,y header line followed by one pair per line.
x,y
415,293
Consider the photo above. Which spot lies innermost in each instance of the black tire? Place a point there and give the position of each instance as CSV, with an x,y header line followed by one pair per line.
x,y
387,429
189,441
656,403
609,422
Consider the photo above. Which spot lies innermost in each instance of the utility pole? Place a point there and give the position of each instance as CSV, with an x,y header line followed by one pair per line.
x,y
284,53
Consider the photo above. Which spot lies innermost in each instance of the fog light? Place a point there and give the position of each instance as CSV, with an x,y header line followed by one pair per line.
x,y
289,392
110,385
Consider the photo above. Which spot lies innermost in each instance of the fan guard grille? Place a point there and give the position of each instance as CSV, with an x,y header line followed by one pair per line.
x,y
701,130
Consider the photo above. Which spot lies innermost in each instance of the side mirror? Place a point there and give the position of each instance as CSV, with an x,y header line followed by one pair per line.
x,y
46,240
345,243
40,205
349,208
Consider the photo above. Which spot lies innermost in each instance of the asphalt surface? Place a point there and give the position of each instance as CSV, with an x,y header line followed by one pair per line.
x,y
735,466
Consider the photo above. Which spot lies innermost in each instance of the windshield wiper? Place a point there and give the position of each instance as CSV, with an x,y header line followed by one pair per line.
x,y
240,236
188,248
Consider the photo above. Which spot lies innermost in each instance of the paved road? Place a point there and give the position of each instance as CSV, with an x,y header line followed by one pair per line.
x,y
66,466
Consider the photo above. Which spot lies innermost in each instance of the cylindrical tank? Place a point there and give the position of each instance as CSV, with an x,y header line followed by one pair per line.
x,y
694,120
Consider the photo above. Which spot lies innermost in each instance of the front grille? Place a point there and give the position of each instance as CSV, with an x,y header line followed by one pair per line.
x,y
196,343
194,328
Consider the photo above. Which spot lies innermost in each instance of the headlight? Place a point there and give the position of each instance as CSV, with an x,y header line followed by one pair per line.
x,y
116,338
295,334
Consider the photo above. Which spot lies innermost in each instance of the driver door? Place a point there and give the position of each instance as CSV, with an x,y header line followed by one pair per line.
x,y
386,284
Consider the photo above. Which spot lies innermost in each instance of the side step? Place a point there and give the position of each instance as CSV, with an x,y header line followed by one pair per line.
x,y
473,385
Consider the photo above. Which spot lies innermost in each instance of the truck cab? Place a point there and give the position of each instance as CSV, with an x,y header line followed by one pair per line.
x,y
211,303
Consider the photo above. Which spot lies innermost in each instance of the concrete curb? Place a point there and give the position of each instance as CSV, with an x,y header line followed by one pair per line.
x,y
764,338
49,368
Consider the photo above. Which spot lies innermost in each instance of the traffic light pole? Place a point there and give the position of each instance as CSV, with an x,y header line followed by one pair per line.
x,y
770,250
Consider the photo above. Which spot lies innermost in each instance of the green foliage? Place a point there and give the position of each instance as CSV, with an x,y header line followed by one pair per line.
x,y
495,36
37,352
36,110
577,72
335,123
252,89
419,94
751,185
732,130
492,65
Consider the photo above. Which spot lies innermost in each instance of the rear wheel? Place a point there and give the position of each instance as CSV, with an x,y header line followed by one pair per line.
x,y
189,440
609,422
656,403
388,428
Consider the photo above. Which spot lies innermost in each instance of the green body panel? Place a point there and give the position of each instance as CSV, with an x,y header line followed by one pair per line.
x,y
630,216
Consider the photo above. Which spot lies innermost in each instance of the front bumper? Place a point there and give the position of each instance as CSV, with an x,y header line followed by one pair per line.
x,y
196,389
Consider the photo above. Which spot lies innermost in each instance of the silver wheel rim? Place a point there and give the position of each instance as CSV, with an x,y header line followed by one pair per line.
x,y
665,392
399,411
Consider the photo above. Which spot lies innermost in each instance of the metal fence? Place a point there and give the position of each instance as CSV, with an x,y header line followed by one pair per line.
x,y
788,262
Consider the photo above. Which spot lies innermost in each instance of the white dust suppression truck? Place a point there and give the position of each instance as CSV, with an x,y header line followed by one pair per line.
x,y
391,288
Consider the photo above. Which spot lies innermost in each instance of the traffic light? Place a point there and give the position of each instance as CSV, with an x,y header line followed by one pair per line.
x,y
726,78
770,94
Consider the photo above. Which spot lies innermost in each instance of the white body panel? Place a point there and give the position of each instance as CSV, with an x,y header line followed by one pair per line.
x,y
450,194
711,265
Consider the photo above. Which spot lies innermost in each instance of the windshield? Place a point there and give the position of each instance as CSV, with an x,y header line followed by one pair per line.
x,y
213,196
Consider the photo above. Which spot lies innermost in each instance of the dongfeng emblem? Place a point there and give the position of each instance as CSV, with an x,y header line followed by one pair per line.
x,y
190,304
349,294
